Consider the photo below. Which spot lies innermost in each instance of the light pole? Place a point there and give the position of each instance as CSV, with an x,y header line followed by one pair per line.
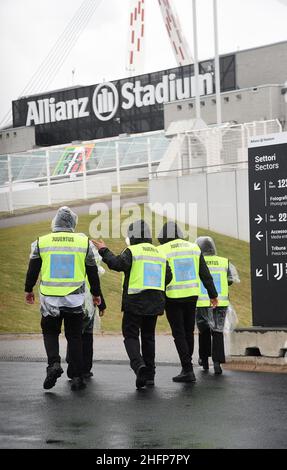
x,y
216,65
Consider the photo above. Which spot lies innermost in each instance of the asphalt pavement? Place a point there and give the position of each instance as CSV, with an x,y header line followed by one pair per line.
x,y
238,410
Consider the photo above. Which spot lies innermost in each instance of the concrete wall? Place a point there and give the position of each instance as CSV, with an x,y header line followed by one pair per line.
x,y
197,191
254,99
16,140
270,342
262,65
240,106
128,176
221,198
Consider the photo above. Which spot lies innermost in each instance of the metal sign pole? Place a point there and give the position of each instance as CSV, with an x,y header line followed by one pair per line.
x,y
217,65
48,178
85,174
149,158
196,66
11,208
118,168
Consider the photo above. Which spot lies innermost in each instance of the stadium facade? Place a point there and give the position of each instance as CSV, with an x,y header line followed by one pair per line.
x,y
259,93
252,89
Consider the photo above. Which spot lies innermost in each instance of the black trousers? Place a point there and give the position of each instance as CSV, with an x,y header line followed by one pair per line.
x,y
87,345
140,353
181,317
73,324
210,338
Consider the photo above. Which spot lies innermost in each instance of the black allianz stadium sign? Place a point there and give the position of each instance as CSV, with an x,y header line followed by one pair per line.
x,y
127,106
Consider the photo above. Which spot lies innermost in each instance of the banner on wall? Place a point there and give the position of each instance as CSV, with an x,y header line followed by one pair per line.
x,y
71,161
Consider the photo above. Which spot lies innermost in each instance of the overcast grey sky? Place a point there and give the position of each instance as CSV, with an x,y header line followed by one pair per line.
x,y
29,29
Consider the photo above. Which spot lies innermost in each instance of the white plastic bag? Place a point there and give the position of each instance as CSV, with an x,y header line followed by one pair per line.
x,y
231,319
233,275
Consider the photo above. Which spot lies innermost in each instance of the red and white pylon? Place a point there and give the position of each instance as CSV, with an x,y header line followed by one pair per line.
x,y
136,35
174,30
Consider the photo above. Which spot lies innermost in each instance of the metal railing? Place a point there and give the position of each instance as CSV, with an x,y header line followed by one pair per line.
x,y
213,147
115,165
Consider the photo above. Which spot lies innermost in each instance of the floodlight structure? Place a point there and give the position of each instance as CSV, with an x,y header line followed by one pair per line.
x,y
178,43
136,35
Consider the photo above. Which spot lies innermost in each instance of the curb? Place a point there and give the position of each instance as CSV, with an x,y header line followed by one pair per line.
x,y
256,364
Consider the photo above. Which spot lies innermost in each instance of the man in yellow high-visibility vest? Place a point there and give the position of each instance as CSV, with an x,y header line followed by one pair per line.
x,y
91,313
210,322
188,269
146,273
64,259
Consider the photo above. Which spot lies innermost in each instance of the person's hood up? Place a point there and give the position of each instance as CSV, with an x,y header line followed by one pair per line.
x,y
169,232
139,232
65,220
207,246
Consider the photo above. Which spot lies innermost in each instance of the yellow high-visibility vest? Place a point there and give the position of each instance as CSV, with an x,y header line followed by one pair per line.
x,y
63,257
148,268
183,258
218,267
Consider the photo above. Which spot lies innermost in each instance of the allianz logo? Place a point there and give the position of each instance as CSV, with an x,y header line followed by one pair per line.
x,y
106,99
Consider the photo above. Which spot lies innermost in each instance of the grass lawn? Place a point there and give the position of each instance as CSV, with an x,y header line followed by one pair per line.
x,y
17,317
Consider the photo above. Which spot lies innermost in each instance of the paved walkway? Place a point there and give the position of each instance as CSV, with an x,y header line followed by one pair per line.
x,y
107,347
48,214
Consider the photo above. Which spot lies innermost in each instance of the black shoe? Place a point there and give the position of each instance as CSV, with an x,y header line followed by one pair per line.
x,y
185,376
150,376
217,368
204,363
77,383
70,372
149,382
53,373
88,375
141,377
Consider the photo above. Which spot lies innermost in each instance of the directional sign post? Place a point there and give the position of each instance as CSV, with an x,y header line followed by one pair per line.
x,y
267,157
